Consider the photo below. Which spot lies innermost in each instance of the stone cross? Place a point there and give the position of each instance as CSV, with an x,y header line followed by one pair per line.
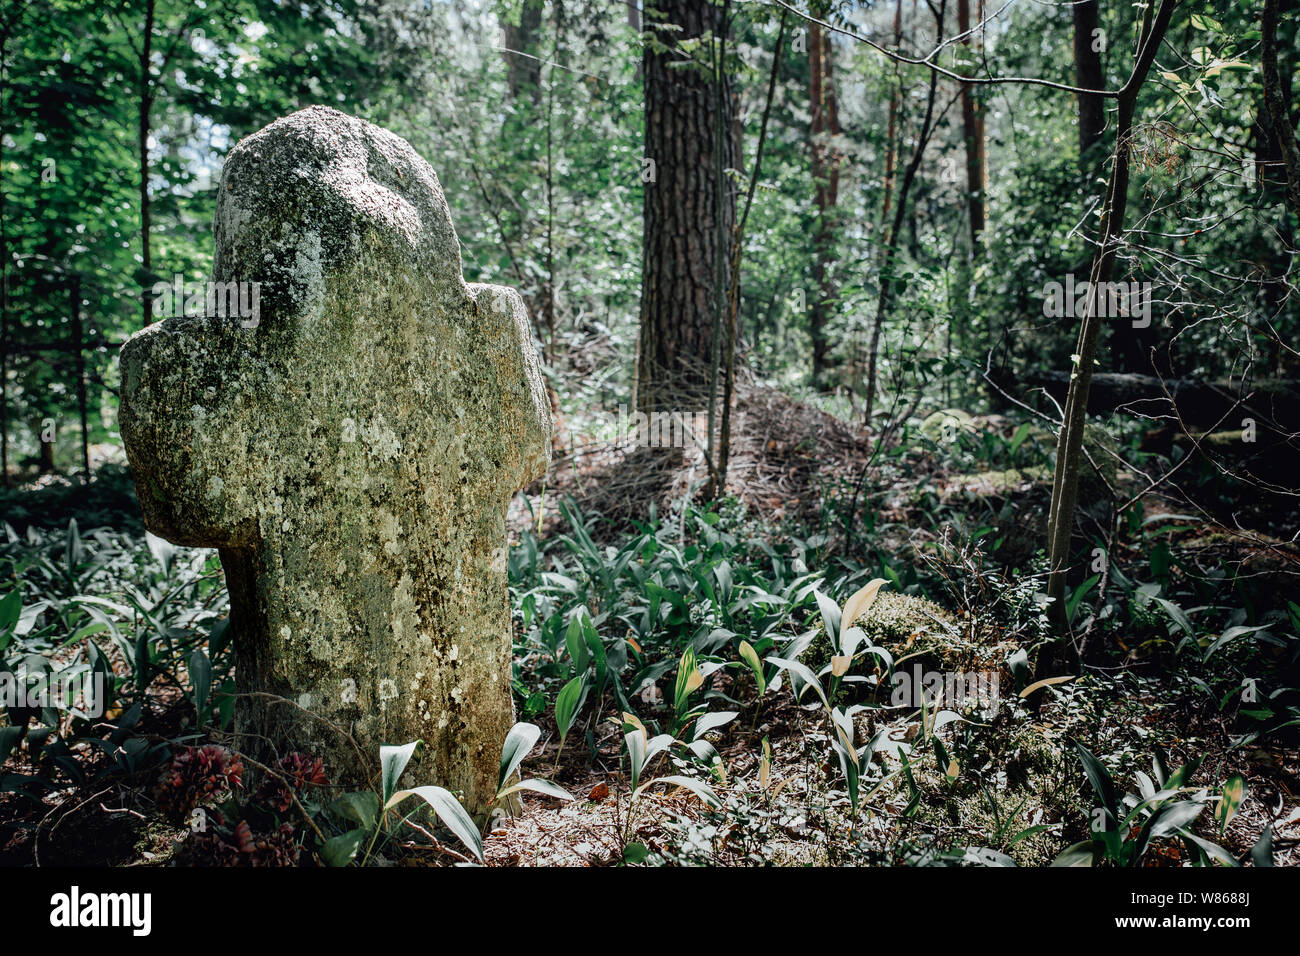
x,y
351,452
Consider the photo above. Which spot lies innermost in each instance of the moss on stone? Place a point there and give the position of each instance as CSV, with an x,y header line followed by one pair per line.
x,y
1000,483
900,623
351,452
939,425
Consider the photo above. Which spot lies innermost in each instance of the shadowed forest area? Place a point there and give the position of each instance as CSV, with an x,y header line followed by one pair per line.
x,y
888,455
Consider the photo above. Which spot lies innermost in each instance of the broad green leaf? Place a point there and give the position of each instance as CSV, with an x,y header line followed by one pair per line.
x,y
11,608
1018,438
712,721
1261,854
566,706
360,807
632,722
657,745
1181,776
1230,634
830,617
576,639
636,746
342,849
689,679
1212,850
392,763
519,743
848,759
1078,595
1177,615
1100,780
449,811
1233,792
725,584
1172,816
750,657
804,673
163,551
1080,854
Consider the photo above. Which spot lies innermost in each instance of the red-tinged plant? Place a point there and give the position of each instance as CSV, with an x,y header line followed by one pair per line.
x,y
297,770
197,776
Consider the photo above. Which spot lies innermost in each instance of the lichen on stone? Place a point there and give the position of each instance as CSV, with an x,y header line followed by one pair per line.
x,y
351,454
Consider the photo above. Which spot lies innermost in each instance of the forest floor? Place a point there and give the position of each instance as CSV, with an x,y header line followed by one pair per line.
x,y
1186,613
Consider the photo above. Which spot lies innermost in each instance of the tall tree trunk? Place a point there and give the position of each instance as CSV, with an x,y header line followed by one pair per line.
x,y
826,160
523,67
979,116
1087,75
78,345
4,268
683,205
891,134
973,133
1277,102
45,462
1065,480
146,107
1277,163
548,293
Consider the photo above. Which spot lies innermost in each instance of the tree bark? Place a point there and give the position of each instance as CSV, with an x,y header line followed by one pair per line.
x,y
891,134
973,133
826,161
79,354
146,107
5,29
1279,107
523,68
1087,75
681,241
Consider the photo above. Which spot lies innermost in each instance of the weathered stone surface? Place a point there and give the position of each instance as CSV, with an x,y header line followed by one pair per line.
x,y
352,456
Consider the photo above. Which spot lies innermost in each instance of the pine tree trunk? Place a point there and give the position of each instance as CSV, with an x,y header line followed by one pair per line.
x,y
891,134
1087,75
973,133
823,127
1278,106
523,68
4,282
146,212
680,274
